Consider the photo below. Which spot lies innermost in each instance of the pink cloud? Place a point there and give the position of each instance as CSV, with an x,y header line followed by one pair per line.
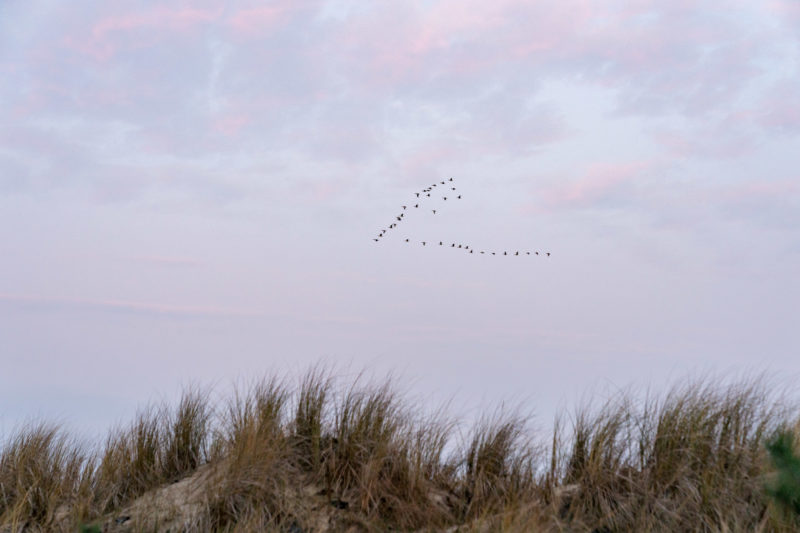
x,y
453,38
230,125
728,137
773,189
322,190
782,116
164,18
659,56
426,160
449,21
255,20
599,182
326,190
170,261
784,8
103,40
779,111
772,202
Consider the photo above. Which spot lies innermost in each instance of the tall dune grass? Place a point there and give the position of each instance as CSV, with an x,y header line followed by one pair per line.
x,y
333,456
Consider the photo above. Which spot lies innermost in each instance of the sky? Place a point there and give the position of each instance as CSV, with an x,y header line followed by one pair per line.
x,y
189,193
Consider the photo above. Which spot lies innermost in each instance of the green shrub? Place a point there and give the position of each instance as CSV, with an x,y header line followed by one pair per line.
x,y
785,489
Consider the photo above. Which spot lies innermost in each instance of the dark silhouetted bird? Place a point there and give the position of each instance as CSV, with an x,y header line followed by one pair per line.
x,y
505,253
417,194
528,253
423,243
453,245
417,205
453,188
548,254
434,211
483,252
516,253
406,240
493,253
459,197
445,197
442,183
428,195
537,253
376,240
471,251
399,219
459,246
451,179
440,243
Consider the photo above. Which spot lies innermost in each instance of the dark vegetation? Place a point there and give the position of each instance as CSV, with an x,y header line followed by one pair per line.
x,y
324,456
785,486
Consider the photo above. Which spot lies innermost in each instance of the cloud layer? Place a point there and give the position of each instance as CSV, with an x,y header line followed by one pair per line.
x,y
186,159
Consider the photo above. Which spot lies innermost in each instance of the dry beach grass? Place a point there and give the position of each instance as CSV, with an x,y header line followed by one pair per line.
x,y
328,456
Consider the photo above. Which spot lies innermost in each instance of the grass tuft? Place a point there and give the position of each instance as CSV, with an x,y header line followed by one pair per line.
x,y
330,456
41,471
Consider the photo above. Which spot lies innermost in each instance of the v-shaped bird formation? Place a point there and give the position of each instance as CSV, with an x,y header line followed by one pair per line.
x,y
443,190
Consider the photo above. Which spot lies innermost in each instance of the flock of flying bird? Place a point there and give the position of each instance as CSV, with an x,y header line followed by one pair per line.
x,y
446,188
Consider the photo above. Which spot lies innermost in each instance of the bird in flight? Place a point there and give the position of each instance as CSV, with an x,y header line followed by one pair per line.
x,y
427,192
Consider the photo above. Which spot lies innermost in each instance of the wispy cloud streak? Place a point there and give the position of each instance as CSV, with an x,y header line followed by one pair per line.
x,y
128,306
